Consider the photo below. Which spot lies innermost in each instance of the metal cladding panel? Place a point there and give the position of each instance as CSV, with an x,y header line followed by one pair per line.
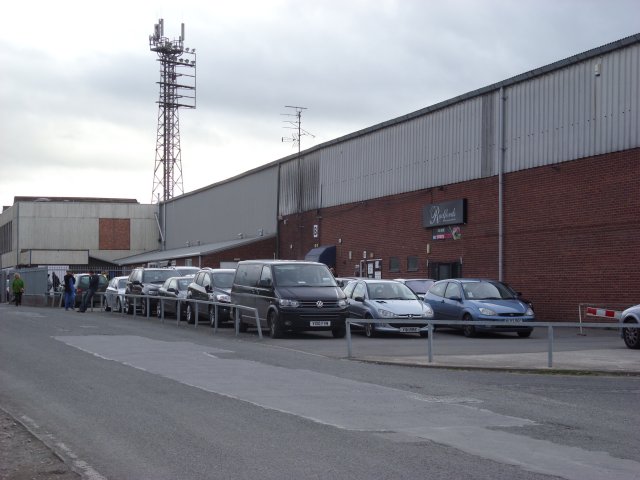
x,y
243,205
443,147
574,112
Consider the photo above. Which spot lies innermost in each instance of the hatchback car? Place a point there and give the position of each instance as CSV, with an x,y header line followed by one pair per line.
x,y
174,292
380,299
82,286
631,336
418,285
481,300
146,282
114,294
210,285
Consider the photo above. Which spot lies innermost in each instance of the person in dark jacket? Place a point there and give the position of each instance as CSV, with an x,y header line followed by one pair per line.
x,y
94,283
69,290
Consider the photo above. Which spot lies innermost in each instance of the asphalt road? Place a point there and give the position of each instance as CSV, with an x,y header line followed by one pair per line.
x,y
125,398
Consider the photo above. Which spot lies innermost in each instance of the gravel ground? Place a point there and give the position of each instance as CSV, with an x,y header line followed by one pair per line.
x,y
24,457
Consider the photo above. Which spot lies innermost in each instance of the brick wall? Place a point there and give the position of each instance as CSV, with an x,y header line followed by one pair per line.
x,y
114,234
571,233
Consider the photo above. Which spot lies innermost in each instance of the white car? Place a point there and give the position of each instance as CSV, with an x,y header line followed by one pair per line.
x,y
114,294
631,336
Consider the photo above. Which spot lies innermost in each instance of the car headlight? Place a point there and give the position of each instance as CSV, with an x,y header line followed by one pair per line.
x,y
386,313
152,292
285,302
427,311
342,302
529,312
223,297
487,311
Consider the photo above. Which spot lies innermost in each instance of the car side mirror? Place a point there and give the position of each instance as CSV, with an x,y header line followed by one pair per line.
x,y
359,299
172,290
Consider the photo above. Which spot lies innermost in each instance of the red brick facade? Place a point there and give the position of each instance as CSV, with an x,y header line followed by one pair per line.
x,y
571,233
115,234
259,249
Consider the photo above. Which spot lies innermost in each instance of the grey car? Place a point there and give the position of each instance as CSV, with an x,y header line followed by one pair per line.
x,y
114,294
631,336
386,299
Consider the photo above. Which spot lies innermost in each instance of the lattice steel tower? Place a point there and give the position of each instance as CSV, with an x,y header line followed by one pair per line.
x,y
177,89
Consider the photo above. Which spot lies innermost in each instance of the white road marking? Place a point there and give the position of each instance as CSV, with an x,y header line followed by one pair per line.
x,y
358,406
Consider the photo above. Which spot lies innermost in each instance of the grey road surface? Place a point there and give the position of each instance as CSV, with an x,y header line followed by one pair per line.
x,y
125,398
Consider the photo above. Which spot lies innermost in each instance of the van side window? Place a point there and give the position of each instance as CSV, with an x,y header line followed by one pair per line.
x,y
248,275
265,277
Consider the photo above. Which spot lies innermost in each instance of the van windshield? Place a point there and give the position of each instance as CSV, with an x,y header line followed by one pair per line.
x,y
303,276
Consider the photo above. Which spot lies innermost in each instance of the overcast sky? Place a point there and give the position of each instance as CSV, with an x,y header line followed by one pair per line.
x,y
78,87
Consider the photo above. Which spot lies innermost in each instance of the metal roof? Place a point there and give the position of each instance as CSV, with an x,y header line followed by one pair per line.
x,y
190,251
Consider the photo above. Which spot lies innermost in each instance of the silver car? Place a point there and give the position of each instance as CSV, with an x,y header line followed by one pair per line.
x,y
114,294
631,336
381,299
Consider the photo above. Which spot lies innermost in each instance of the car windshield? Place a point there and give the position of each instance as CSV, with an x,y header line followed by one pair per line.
x,y
303,276
183,283
419,286
158,276
122,283
223,279
486,291
389,291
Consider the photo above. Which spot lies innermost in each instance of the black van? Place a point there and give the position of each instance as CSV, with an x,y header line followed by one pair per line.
x,y
289,295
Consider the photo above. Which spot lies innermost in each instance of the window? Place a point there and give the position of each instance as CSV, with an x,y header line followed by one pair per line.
x,y
359,290
394,264
412,264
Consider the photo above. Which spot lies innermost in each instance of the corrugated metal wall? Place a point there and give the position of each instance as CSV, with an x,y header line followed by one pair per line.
x,y
220,212
565,114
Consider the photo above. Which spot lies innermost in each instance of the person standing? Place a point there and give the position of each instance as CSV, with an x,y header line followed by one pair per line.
x,y
18,288
69,290
94,283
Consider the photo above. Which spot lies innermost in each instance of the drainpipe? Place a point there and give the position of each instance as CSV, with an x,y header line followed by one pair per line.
x,y
501,155
277,253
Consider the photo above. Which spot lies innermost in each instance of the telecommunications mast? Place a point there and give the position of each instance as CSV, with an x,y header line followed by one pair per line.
x,y
177,89
296,126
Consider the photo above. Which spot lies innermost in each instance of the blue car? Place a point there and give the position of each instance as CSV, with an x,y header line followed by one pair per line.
x,y
482,300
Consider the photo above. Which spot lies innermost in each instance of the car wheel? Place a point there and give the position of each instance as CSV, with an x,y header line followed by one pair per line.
x,y
525,333
212,315
128,307
339,332
631,336
159,310
189,315
242,327
469,330
275,328
118,305
107,308
369,329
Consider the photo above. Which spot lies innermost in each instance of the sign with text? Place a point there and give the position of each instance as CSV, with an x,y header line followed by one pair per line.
x,y
446,233
442,214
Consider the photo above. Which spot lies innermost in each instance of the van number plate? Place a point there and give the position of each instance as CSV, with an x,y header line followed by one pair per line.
x,y
323,323
409,329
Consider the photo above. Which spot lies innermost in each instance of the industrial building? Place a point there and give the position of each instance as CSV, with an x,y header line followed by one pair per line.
x,y
533,180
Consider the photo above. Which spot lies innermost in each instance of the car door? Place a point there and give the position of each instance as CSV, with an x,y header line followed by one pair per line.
x,y
452,307
357,308
435,298
265,295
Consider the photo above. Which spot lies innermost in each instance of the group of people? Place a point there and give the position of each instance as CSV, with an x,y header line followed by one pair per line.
x,y
18,286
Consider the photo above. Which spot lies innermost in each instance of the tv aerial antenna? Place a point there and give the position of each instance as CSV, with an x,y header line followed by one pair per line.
x,y
295,124
177,90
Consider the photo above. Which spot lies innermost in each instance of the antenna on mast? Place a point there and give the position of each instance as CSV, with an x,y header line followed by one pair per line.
x,y
177,90
296,125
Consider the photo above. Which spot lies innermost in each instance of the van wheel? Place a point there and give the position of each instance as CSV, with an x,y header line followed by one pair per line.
x,y
275,328
127,307
242,327
190,316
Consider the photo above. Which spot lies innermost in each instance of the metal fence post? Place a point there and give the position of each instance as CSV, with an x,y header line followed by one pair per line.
x,y
258,325
195,321
550,337
348,339
162,310
430,342
215,319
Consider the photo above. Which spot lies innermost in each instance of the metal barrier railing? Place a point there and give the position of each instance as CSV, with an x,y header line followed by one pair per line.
x,y
431,323
161,300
